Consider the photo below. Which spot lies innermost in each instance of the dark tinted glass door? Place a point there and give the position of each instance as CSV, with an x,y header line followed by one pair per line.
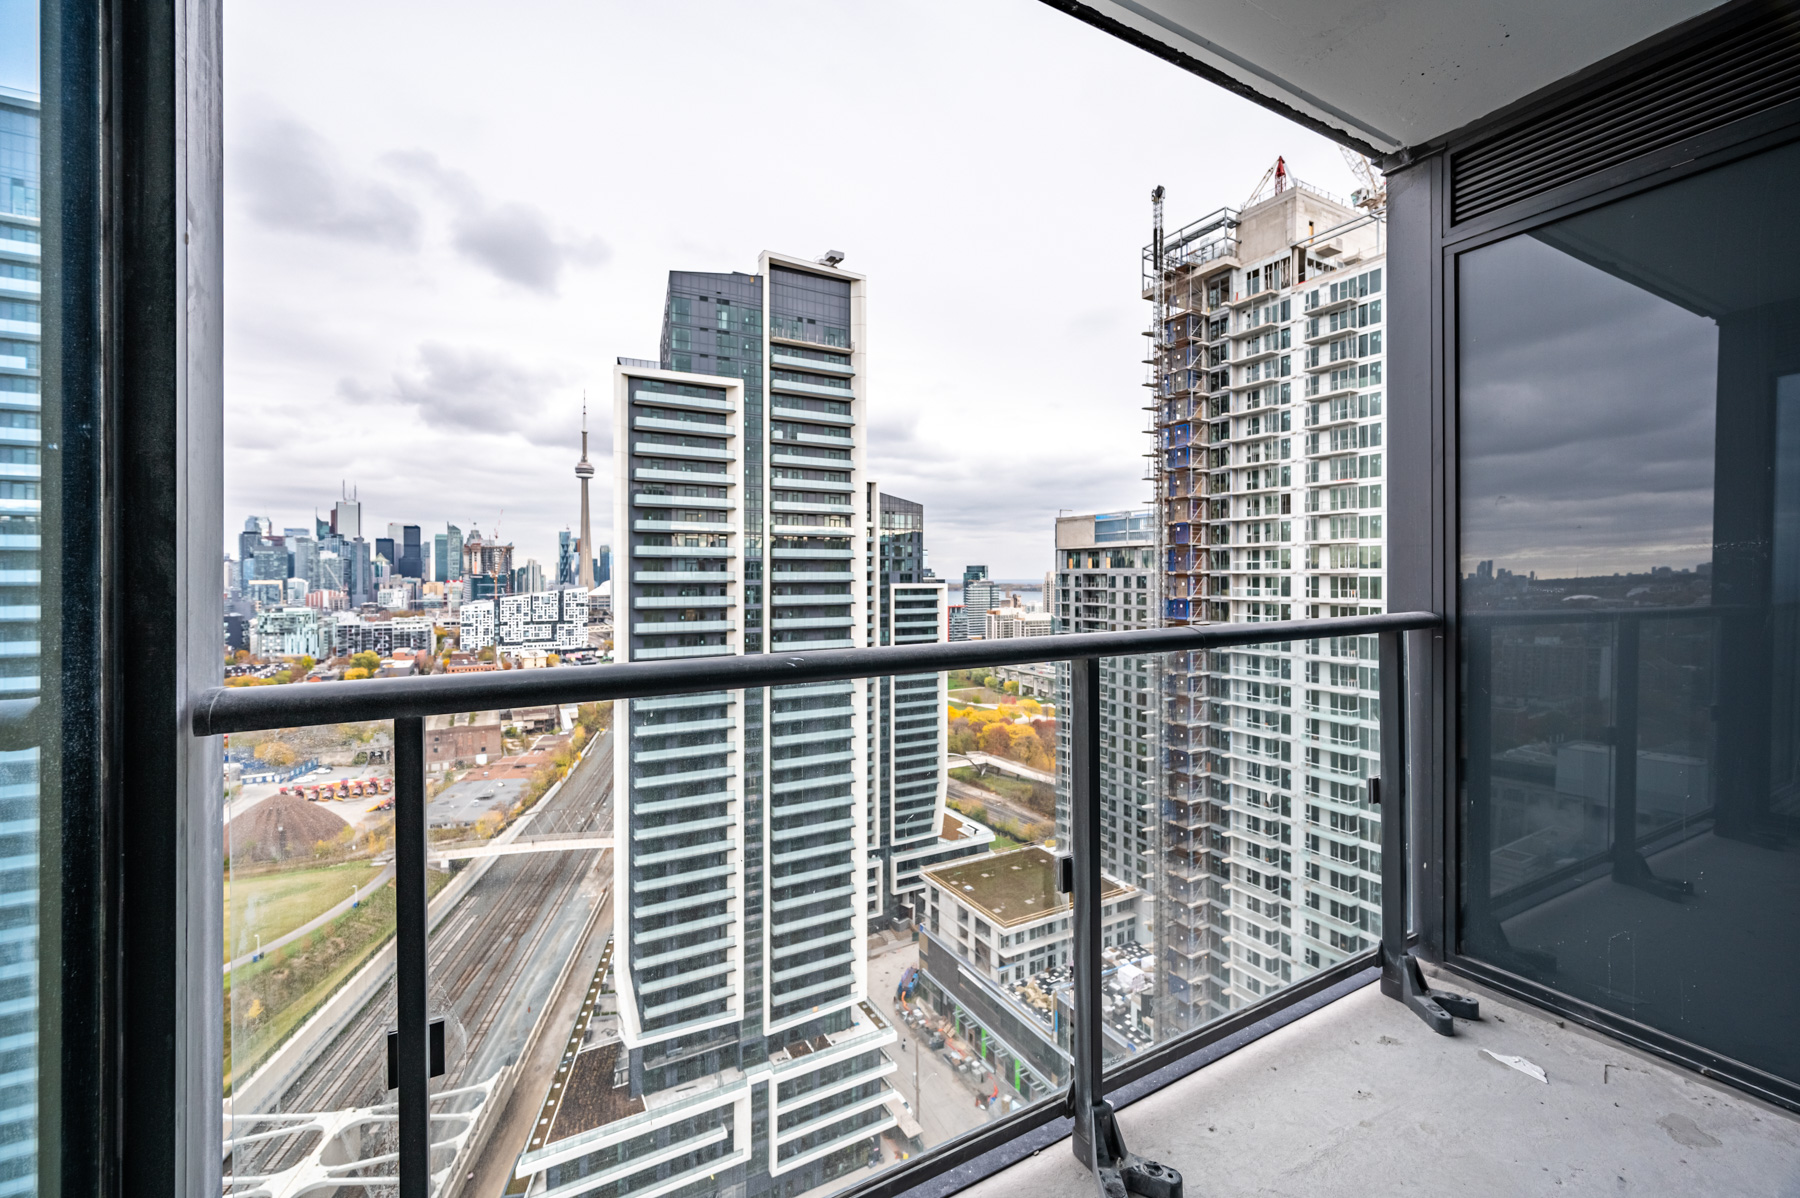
x,y
1630,569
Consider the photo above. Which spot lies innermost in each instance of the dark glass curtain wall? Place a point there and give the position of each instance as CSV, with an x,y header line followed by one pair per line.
x,y
1629,407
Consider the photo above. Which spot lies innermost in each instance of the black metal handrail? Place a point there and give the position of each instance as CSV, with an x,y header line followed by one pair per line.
x,y
257,708
1097,1138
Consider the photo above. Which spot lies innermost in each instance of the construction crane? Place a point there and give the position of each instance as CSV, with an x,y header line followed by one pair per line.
x,y
1372,195
1276,175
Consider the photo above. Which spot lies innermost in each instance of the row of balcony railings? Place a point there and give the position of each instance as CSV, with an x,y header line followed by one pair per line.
x,y
1081,904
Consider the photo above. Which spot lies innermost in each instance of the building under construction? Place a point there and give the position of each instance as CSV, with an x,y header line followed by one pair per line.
x,y
1265,371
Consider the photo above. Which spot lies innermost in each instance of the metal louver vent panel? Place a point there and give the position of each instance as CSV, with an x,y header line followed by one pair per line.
x,y
1699,88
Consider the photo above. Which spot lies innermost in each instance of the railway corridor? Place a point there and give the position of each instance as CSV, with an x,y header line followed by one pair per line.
x,y
494,958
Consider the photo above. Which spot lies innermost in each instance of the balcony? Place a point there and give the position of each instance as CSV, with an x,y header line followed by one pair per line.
x,y
1587,781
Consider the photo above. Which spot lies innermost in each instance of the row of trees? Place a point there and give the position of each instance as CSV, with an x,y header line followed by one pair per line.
x,y
1019,732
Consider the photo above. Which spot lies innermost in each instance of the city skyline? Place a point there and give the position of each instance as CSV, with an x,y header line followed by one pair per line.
x,y
377,286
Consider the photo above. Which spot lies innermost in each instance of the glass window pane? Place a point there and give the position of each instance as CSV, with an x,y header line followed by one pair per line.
x,y
27,674
1630,473
309,949
1252,859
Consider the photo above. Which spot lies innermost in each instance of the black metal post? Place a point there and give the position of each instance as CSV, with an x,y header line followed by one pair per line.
x,y
1084,826
1401,977
1098,1141
1388,790
1628,865
410,956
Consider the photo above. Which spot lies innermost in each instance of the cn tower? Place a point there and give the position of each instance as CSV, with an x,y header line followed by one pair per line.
x,y
584,470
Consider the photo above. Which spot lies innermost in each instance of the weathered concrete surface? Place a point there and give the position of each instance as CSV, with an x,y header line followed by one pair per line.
x,y
1362,1099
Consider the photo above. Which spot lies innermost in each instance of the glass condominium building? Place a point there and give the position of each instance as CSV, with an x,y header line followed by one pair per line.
x,y
21,507
749,1061
908,728
1266,372
1106,581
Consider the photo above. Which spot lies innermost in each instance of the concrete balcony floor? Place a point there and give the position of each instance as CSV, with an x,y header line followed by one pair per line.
x,y
1360,1098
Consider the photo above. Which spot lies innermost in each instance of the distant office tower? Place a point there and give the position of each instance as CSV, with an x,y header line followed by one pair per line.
x,y
602,564
346,519
412,557
453,554
528,577
1105,581
743,863
384,549
303,558
361,571
979,595
249,541
488,567
568,571
1268,382
907,762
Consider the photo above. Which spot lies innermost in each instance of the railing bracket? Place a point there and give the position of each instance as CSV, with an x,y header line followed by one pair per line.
x,y
1117,1170
1438,1008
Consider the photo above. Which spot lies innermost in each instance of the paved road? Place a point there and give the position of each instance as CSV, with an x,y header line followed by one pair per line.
x,y
493,1162
943,1099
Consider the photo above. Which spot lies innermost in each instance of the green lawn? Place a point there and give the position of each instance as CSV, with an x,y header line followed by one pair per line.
x,y
274,902
267,1000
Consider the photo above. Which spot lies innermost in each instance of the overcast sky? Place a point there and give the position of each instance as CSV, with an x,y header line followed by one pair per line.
x,y
445,220
1588,417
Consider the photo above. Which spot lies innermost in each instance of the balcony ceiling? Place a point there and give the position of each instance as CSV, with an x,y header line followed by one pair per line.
x,y
1394,74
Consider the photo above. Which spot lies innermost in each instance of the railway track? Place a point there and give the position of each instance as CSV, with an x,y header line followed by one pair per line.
x,y
478,957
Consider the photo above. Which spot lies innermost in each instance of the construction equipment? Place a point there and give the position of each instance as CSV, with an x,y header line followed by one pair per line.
x,y
1273,183
1372,195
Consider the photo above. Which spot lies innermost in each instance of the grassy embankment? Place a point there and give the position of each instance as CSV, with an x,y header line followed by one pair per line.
x,y
277,993
276,901
1010,831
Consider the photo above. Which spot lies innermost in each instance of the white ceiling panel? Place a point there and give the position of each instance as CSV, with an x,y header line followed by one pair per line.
x,y
1398,73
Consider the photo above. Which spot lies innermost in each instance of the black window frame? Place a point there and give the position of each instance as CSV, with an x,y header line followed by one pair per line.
x,y
1425,249
131,1038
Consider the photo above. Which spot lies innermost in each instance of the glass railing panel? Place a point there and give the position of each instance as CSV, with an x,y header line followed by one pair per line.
x,y
519,929
994,979
309,907
1629,530
1240,850
766,981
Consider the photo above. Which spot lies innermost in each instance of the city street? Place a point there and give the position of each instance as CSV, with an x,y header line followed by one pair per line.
x,y
943,1099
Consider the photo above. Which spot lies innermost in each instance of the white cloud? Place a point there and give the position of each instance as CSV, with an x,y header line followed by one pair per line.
x,y
431,238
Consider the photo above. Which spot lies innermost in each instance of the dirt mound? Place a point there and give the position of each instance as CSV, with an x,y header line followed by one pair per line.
x,y
282,827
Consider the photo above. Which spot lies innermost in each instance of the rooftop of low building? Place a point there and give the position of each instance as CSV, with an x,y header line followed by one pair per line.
x,y
1012,888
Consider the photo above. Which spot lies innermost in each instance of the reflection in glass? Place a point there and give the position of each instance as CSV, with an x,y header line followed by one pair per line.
x,y
1630,473
23,568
